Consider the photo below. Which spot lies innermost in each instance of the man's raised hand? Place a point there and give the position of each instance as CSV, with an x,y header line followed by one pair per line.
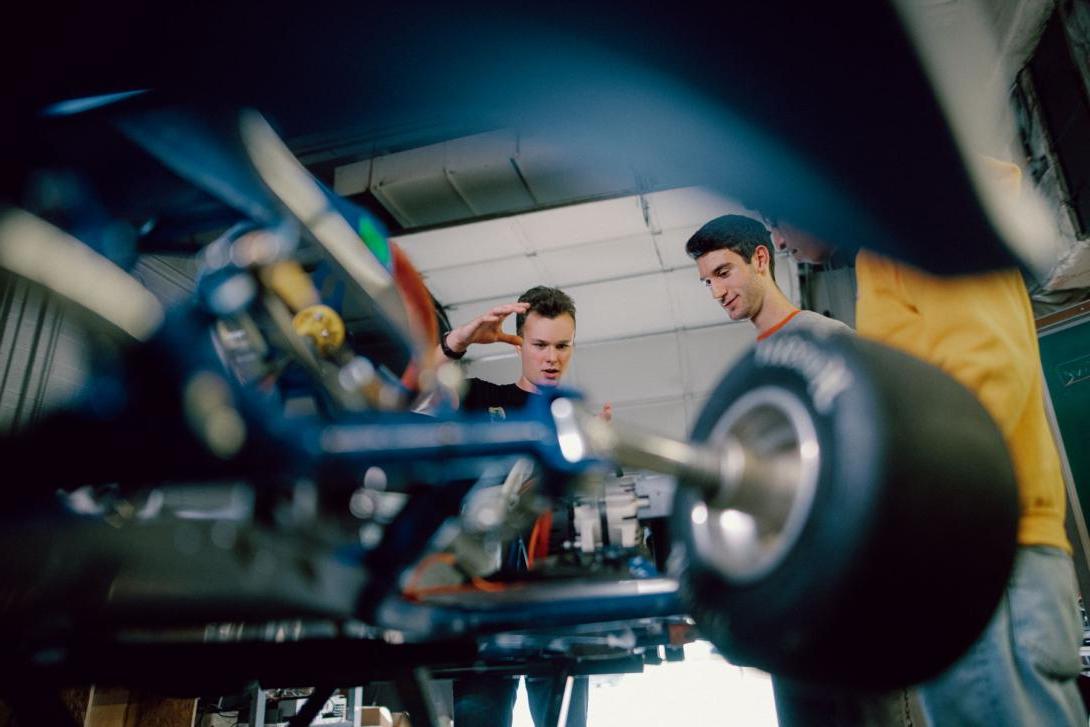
x,y
486,328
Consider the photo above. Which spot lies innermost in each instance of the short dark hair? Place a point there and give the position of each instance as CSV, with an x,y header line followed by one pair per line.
x,y
546,302
737,233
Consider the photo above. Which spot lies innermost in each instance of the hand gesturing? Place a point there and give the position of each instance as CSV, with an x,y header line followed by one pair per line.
x,y
487,328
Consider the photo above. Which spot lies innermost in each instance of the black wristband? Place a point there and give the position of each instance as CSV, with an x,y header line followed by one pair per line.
x,y
453,355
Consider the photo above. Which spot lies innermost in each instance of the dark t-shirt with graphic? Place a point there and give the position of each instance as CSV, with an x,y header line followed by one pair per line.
x,y
494,398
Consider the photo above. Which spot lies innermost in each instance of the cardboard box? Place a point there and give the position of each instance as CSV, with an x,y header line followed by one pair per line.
x,y
376,717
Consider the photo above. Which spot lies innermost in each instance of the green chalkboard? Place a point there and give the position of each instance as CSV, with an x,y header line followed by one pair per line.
x,y
1065,357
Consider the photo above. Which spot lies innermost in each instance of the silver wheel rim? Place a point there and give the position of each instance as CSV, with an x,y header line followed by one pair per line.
x,y
773,425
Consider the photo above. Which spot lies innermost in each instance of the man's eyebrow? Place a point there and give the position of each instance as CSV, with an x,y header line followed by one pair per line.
x,y
725,267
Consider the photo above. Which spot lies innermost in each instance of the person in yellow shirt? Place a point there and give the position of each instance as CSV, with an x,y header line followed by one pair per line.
x,y
980,330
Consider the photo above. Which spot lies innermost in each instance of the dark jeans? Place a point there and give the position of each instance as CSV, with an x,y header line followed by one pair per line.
x,y
801,706
1023,668
487,701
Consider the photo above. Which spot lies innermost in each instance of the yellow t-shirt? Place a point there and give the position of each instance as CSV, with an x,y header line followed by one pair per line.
x,y
980,330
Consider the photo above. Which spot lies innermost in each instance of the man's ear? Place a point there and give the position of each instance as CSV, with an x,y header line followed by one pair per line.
x,y
761,255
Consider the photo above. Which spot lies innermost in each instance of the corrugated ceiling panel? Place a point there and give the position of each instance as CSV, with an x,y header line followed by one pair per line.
x,y
601,260
690,206
492,189
413,186
480,168
555,176
489,148
493,279
590,222
463,244
710,352
421,162
461,314
671,246
352,178
634,369
43,356
622,308
170,278
421,201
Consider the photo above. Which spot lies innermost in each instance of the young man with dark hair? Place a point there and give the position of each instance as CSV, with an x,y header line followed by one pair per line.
x,y
734,257
545,340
